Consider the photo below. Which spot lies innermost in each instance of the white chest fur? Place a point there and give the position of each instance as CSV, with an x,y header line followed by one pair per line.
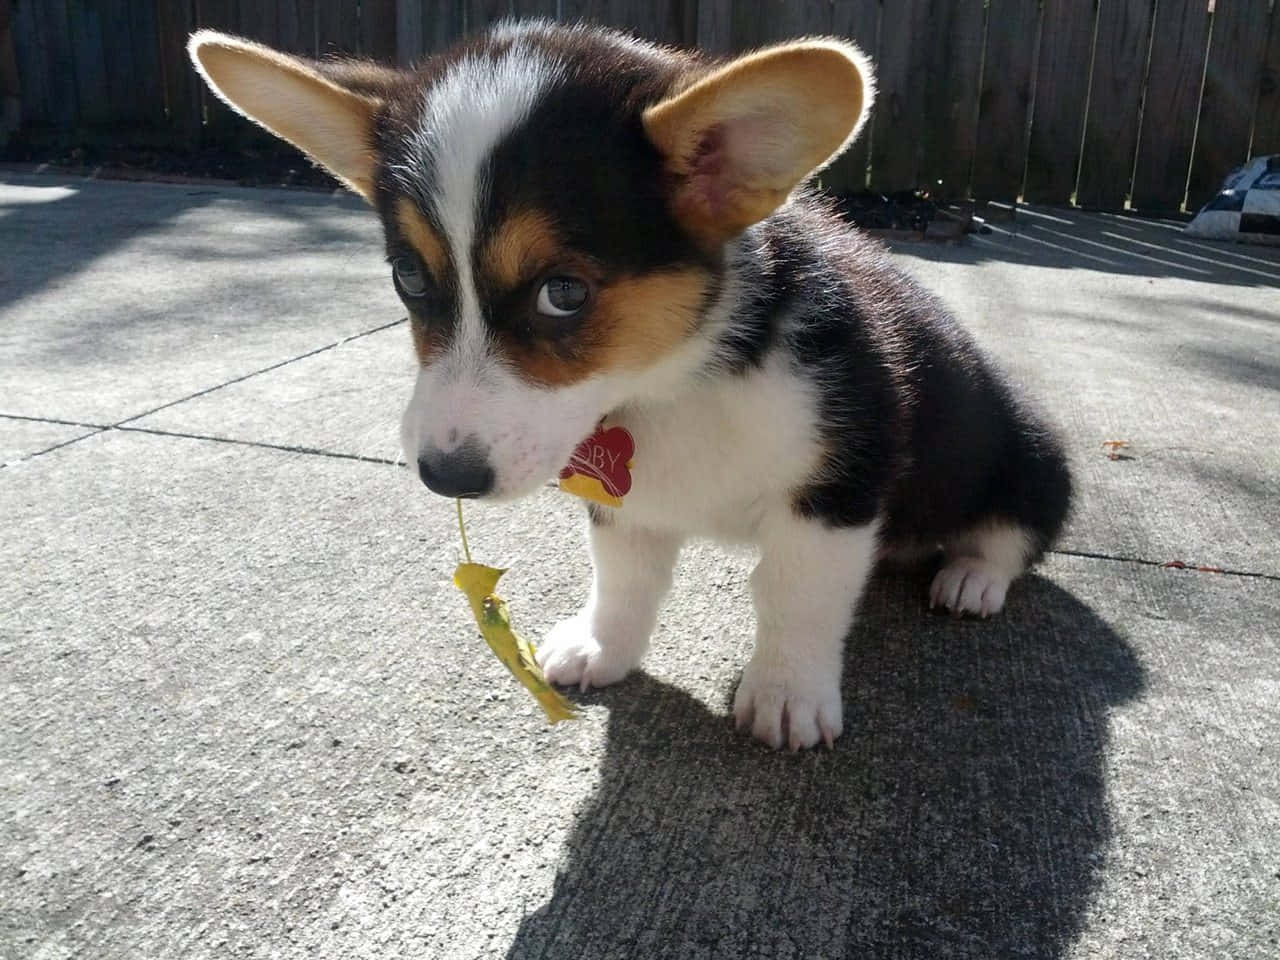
x,y
714,459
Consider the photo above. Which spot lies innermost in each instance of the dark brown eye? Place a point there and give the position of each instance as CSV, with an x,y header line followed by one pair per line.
x,y
562,297
409,277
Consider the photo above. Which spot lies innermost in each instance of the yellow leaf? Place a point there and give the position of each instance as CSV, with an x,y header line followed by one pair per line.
x,y
517,654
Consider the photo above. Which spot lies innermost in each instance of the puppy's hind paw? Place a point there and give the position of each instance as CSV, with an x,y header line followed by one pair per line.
x,y
969,585
571,655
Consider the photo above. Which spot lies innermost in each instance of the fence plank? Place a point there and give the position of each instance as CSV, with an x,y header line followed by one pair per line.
x,y
337,27
445,22
1115,101
533,8
769,21
261,22
89,64
121,82
32,66
378,30
411,40
1179,40
1231,81
296,26
729,28
174,23
1004,103
1062,82
63,91
122,62
661,20
479,15
897,143
953,68
148,91
1266,123
222,127
857,20
715,26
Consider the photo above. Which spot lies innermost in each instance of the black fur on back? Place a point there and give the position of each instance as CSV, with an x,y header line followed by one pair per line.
x,y
920,426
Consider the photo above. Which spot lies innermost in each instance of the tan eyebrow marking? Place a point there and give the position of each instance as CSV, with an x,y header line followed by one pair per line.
x,y
423,238
650,315
524,244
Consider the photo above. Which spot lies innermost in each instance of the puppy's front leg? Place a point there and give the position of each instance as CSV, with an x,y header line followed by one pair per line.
x,y
604,640
806,587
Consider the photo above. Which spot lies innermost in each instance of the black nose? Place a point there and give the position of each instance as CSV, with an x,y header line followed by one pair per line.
x,y
464,472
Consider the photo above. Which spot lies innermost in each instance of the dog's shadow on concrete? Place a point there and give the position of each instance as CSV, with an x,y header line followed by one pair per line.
x,y
962,814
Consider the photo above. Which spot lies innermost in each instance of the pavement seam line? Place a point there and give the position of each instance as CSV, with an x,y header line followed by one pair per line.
x,y
97,428
261,444
56,446
1165,564
254,373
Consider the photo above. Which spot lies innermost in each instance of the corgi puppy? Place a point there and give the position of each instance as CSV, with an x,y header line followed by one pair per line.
x,y
586,228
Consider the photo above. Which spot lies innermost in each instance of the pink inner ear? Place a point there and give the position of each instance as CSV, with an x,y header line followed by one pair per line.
x,y
707,178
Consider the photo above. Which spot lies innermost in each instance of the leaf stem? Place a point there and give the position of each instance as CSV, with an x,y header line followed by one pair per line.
x,y
466,548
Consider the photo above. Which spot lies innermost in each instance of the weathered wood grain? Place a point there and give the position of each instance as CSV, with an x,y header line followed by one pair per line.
x,y
1115,103
261,22
88,63
666,21
898,127
337,27
1004,103
1231,80
120,64
223,127
1062,84
378,30
856,20
410,35
147,92
180,85
31,52
715,26
296,25
1179,40
1266,121
953,68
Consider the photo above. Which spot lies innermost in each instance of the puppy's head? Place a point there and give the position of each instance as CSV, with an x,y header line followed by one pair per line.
x,y
556,202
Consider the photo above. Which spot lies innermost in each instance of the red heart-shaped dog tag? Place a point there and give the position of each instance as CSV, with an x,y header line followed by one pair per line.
x,y
606,457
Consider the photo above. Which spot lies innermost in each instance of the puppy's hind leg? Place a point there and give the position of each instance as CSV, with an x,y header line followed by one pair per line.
x,y
979,567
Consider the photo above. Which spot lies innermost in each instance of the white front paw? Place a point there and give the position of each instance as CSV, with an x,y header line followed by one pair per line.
x,y
784,705
571,654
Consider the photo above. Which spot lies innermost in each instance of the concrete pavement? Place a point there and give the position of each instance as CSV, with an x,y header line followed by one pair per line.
x,y
246,713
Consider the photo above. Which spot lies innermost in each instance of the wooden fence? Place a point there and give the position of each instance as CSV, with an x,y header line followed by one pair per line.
x,y
1097,102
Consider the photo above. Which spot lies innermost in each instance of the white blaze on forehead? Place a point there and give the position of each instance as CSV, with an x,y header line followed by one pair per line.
x,y
466,114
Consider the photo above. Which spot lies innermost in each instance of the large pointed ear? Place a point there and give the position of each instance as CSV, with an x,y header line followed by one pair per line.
x,y
291,98
740,139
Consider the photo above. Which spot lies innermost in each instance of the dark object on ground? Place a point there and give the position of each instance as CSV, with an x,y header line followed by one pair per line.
x,y
266,165
904,210
906,215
